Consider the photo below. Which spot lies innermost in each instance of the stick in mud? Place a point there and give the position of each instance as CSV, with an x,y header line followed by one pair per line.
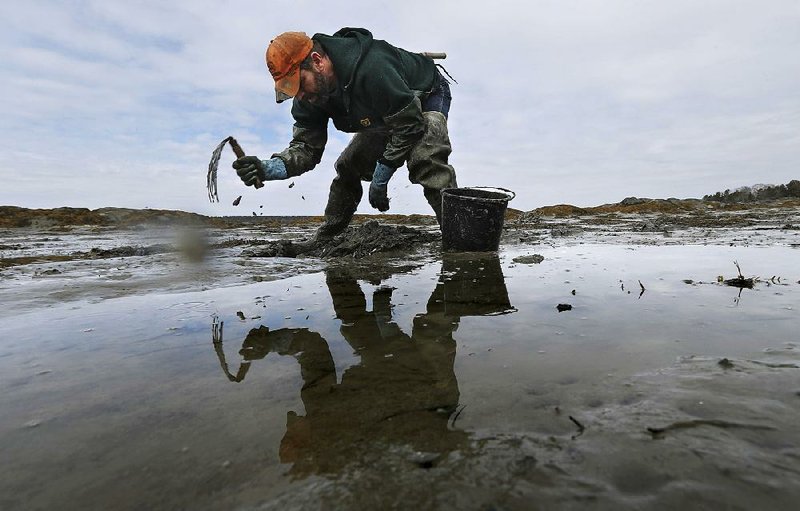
x,y
577,423
659,432
455,417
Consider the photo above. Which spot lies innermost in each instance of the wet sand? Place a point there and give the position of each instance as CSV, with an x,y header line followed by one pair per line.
x,y
408,378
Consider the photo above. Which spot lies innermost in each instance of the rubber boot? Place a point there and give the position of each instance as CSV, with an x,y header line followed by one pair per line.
x,y
434,198
427,163
355,164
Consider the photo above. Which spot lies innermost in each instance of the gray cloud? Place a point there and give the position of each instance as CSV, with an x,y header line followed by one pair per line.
x,y
112,104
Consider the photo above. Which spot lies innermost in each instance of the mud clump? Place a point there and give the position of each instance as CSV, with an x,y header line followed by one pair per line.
x,y
654,225
356,242
565,231
740,282
128,251
529,259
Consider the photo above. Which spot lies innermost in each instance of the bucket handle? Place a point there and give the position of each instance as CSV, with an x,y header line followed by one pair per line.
x,y
509,192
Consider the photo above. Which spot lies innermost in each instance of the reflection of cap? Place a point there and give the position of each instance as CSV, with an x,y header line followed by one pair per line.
x,y
284,55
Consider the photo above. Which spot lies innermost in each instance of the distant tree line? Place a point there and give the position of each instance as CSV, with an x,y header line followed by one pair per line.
x,y
757,193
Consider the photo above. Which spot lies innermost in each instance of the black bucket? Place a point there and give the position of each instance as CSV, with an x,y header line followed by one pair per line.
x,y
472,218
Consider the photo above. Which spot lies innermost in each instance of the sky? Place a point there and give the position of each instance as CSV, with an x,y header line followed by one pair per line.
x,y
119,103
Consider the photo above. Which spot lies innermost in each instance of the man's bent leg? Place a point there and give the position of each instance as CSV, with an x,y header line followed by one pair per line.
x,y
356,163
427,164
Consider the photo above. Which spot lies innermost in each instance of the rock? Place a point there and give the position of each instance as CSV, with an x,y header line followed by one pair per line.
x,y
529,259
725,364
565,231
653,225
632,201
563,307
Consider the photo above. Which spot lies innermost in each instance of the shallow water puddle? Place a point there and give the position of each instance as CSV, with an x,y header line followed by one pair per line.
x,y
455,385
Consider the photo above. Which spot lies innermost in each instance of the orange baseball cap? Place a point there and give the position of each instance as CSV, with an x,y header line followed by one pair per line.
x,y
284,55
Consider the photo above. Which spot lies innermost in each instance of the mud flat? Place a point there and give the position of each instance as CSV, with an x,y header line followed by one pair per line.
x,y
149,365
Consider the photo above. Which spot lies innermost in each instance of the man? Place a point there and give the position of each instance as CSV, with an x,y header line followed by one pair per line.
x,y
396,102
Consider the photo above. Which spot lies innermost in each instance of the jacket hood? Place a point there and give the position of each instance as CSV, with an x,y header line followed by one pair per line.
x,y
346,48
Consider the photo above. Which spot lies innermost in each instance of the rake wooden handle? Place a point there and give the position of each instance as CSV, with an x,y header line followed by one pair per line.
x,y
435,55
239,152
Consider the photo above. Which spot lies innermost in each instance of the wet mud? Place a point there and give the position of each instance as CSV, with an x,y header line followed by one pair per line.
x,y
395,375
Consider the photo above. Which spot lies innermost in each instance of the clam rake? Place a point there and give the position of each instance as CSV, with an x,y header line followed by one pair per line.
x,y
211,177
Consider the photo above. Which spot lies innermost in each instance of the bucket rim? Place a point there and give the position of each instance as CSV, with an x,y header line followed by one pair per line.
x,y
508,193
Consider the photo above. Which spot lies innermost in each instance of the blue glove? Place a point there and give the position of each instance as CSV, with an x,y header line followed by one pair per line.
x,y
377,189
250,167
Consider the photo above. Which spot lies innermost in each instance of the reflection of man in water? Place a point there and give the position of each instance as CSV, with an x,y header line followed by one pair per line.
x,y
404,391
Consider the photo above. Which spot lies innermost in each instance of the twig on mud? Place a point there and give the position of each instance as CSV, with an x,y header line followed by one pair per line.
x,y
659,432
581,428
455,417
776,365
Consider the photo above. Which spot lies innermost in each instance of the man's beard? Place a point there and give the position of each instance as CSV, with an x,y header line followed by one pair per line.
x,y
325,89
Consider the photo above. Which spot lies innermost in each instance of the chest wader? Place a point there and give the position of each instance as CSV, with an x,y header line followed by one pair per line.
x,y
356,163
427,164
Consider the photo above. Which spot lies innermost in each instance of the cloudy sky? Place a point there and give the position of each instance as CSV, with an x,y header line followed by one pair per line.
x,y
120,103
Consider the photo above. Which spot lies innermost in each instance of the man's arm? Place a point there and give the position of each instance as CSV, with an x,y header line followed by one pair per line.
x,y
404,119
304,151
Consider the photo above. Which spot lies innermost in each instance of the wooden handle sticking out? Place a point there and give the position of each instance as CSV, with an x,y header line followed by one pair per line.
x,y
239,152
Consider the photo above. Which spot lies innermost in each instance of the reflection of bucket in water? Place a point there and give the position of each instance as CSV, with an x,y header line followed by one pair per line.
x,y
473,285
472,218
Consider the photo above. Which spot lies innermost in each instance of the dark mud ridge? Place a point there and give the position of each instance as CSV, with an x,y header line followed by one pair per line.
x,y
689,212
356,242
18,217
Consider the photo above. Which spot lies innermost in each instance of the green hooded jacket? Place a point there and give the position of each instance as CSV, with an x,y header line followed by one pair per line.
x,y
380,87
